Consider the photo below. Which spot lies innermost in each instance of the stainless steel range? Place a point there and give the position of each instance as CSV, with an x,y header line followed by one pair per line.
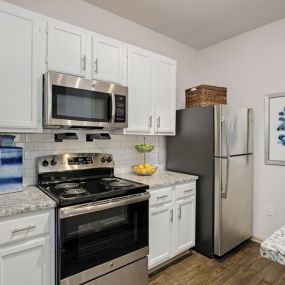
x,y
102,220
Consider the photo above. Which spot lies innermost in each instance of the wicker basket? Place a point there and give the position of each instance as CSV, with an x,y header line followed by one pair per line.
x,y
205,95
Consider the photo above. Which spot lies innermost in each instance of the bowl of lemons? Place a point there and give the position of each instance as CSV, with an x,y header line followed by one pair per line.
x,y
144,169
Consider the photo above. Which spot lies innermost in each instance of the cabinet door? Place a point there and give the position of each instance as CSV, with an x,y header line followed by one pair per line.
x,y
26,263
160,234
19,69
107,59
141,90
165,96
66,49
185,225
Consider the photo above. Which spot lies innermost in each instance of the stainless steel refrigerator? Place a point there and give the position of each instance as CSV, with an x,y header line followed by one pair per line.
x,y
216,143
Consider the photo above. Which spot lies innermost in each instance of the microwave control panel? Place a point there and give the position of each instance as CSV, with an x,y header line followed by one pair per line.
x,y
120,109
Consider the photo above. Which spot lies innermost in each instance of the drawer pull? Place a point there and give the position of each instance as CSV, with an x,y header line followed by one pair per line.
x,y
161,197
171,216
23,229
187,191
179,212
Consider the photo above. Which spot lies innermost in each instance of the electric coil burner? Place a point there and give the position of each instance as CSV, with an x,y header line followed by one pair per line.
x,y
102,220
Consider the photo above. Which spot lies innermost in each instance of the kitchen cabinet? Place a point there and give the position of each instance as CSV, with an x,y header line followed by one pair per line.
x,y
165,96
29,260
27,249
152,93
108,59
66,51
160,233
21,76
185,226
141,65
171,222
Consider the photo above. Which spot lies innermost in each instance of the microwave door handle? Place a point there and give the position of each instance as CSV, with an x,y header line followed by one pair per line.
x,y
113,107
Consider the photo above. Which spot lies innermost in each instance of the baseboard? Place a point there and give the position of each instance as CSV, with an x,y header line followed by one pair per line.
x,y
169,262
256,239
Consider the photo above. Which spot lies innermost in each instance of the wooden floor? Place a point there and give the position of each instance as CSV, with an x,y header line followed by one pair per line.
x,y
241,267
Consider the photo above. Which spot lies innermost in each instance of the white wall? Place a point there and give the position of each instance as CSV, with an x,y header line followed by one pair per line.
x,y
87,16
250,66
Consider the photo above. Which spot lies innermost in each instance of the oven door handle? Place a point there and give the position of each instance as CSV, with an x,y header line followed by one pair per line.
x,y
82,209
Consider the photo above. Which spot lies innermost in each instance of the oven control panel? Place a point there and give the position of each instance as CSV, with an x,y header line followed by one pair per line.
x,y
80,160
120,108
74,161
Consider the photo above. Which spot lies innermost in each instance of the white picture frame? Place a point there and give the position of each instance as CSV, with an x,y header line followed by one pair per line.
x,y
275,129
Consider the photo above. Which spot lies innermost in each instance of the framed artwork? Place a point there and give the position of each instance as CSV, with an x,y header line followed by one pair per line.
x,y
275,129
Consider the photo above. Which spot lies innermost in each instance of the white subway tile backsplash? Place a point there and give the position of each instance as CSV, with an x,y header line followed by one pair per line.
x,y
121,146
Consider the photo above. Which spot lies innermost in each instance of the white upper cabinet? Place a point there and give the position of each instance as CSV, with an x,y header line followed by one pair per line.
x,y
165,96
66,48
20,74
108,56
152,93
141,90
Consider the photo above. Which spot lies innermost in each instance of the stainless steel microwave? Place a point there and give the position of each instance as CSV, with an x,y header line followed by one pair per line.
x,y
74,102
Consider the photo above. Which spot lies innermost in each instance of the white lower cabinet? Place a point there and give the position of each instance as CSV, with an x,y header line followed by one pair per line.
x,y
160,233
26,263
185,225
27,250
171,222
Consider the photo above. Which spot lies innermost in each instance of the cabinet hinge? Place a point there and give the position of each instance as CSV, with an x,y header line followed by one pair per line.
x,y
47,29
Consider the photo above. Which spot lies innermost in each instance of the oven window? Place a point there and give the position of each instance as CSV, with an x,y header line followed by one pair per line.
x,y
92,239
81,105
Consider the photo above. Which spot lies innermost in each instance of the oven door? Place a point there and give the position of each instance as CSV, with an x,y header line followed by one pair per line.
x,y
70,101
97,238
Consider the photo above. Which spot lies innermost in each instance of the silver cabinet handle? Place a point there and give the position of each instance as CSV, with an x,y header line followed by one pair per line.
x,y
18,230
179,212
187,191
158,122
161,197
96,65
84,62
171,216
150,122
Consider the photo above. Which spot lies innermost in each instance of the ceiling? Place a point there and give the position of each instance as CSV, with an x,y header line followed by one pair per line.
x,y
197,23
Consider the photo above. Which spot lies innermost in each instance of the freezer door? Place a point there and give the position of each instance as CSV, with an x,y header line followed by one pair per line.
x,y
233,202
233,131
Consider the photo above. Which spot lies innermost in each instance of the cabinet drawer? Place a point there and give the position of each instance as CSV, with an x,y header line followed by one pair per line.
x,y
24,228
160,196
185,190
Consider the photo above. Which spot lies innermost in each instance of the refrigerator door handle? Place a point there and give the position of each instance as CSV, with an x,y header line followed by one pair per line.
x,y
224,191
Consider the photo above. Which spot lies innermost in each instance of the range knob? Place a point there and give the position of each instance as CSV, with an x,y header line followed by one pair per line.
x,y
45,163
103,159
109,159
53,162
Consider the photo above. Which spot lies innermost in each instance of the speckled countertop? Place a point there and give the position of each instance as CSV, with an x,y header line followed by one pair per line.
x,y
29,200
160,178
273,248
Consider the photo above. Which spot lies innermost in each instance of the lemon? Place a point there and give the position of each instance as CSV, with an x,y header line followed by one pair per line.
x,y
141,166
143,171
147,165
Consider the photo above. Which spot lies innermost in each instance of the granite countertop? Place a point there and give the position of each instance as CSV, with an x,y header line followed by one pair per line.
x,y
29,200
273,248
160,178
